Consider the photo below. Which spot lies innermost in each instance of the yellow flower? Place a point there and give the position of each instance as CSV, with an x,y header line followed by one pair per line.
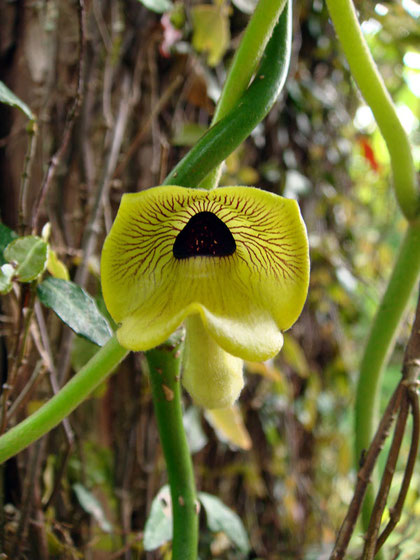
x,y
232,263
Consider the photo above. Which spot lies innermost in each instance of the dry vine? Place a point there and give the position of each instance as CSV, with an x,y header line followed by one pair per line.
x,y
403,401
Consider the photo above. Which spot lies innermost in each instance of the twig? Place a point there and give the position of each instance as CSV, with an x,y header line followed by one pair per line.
x,y
26,312
382,496
46,354
364,474
92,230
32,474
36,376
167,94
68,127
404,398
32,130
395,511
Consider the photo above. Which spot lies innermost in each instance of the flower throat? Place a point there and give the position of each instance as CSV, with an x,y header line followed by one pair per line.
x,y
205,235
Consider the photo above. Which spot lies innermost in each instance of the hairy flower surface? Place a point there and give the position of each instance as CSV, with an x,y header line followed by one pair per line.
x,y
234,261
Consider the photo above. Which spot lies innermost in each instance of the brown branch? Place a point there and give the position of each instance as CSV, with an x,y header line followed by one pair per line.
x,y
404,398
32,131
382,495
68,127
396,510
93,228
364,474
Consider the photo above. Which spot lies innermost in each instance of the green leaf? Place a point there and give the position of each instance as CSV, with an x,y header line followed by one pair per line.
x,y
158,528
7,96
188,134
82,351
196,436
92,506
30,255
56,267
211,31
246,6
76,308
7,235
293,354
222,518
158,6
7,271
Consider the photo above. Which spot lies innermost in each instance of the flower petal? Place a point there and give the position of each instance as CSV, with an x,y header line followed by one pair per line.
x,y
212,377
245,292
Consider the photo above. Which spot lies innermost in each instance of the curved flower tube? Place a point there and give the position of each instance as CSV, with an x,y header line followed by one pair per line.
x,y
232,262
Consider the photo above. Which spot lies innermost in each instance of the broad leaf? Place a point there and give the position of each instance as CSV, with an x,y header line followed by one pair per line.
x,y
92,506
56,267
246,6
7,96
7,235
196,436
188,134
29,255
76,308
211,31
293,354
221,518
7,271
158,6
158,529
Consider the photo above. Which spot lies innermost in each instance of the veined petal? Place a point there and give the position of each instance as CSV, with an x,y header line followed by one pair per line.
x,y
236,255
212,377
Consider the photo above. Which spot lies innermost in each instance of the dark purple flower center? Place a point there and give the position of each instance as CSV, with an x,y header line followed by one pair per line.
x,y
205,235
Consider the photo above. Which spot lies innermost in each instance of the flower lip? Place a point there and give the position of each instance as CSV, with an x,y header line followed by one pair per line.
x,y
205,235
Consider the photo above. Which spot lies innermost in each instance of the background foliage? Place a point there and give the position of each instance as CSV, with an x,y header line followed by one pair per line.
x,y
152,74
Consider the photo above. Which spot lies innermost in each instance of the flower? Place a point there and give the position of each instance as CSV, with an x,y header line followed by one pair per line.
x,y
232,263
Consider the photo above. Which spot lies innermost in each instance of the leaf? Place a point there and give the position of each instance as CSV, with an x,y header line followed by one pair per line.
x,y
265,369
91,505
222,518
30,253
229,425
246,6
7,96
82,351
188,134
7,235
7,271
293,354
158,6
196,437
158,528
76,308
56,267
211,31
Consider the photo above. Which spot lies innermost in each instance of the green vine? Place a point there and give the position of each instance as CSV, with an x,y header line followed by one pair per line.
x,y
372,87
63,403
407,267
226,135
164,368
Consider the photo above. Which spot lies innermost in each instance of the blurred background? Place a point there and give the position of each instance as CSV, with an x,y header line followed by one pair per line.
x,y
153,72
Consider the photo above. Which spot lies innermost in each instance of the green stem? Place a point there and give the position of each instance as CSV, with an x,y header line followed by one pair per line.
x,y
244,64
384,329
164,365
372,87
248,55
407,267
226,135
64,402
